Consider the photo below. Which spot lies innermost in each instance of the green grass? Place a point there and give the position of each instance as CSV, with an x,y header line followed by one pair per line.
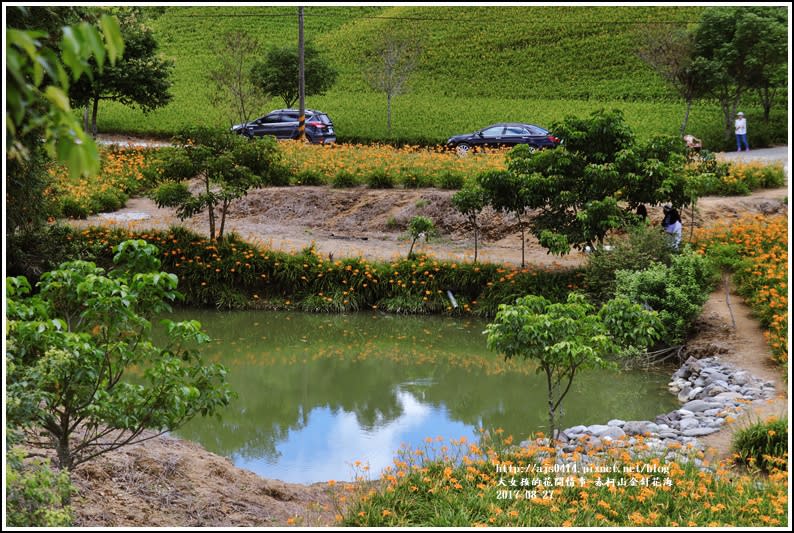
x,y
535,64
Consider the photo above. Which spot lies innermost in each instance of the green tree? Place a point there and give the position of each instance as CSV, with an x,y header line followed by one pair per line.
x,y
593,183
470,201
417,227
35,495
390,63
669,51
277,75
738,49
564,338
234,89
140,78
228,166
505,191
73,347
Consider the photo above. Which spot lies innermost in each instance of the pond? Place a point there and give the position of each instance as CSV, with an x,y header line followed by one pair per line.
x,y
319,392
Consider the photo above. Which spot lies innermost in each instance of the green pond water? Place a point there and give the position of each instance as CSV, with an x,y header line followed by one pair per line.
x,y
319,392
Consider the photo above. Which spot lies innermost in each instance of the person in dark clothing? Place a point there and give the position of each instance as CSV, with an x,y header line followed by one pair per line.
x,y
642,212
672,224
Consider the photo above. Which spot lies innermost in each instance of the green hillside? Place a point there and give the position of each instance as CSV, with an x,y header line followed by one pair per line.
x,y
480,64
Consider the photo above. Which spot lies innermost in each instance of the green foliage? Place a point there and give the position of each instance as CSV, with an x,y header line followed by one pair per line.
x,y
72,347
71,208
506,191
380,179
35,495
563,338
235,53
139,79
642,246
277,74
38,79
419,226
211,271
763,445
171,194
107,201
677,292
344,179
228,166
450,180
470,201
309,177
593,182
739,49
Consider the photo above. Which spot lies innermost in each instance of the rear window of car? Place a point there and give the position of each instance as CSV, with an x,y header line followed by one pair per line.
x,y
321,118
538,131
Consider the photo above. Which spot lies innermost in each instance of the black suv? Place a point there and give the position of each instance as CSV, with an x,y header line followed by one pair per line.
x,y
283,124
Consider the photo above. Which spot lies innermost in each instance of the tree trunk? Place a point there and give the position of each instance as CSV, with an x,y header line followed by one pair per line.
x,y
411,251
85,118
552,422
521,226
223,218
210,210
388,114
475,239
93,116
686,116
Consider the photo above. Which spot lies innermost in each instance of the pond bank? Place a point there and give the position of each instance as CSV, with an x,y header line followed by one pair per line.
x,y
169,482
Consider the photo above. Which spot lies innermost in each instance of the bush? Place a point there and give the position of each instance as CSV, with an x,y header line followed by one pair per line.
x,y
637,250
107,201
763,445
415,178
450,180
344,179
677,292
380,179
170,194
309,177
35,495
71,208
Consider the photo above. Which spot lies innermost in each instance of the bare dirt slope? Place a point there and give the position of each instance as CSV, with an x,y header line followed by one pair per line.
x,y
169,482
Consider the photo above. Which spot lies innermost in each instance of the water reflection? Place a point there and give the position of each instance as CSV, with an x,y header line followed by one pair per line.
x,y
317,392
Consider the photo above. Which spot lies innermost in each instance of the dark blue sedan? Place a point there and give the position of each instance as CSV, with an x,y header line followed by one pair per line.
x,y
504,134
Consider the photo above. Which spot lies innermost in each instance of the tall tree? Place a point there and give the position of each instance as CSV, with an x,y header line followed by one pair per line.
x,y
235,55
389,65
738,49
140,79
470,201
594,181
669,51
277,74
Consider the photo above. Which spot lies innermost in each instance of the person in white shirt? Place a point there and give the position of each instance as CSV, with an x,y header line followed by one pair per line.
x,y
741,132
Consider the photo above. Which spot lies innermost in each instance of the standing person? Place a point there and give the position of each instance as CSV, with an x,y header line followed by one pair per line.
x,y
672,224
741,132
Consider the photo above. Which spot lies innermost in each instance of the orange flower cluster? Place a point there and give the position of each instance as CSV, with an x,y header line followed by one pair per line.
x,y
495,483
121,171
762,276
363,160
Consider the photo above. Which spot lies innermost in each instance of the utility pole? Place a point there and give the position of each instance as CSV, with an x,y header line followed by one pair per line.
x,y
301,79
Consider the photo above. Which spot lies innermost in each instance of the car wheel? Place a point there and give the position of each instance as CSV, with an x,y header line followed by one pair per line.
x,y
463,148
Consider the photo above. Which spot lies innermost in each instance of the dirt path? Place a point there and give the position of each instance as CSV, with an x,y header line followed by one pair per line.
x,y
745,347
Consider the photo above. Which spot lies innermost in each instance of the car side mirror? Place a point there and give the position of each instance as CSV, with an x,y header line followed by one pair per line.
x,y
479,134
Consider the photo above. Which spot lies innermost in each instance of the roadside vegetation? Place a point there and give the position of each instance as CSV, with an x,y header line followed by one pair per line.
x,y
562,61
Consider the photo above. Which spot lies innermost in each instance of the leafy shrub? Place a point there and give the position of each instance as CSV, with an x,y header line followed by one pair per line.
x,y
35,494
762,445
415,178
677,292
107,201
450,180
344,179
170,194
71,208
638,249
380,179
309,177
